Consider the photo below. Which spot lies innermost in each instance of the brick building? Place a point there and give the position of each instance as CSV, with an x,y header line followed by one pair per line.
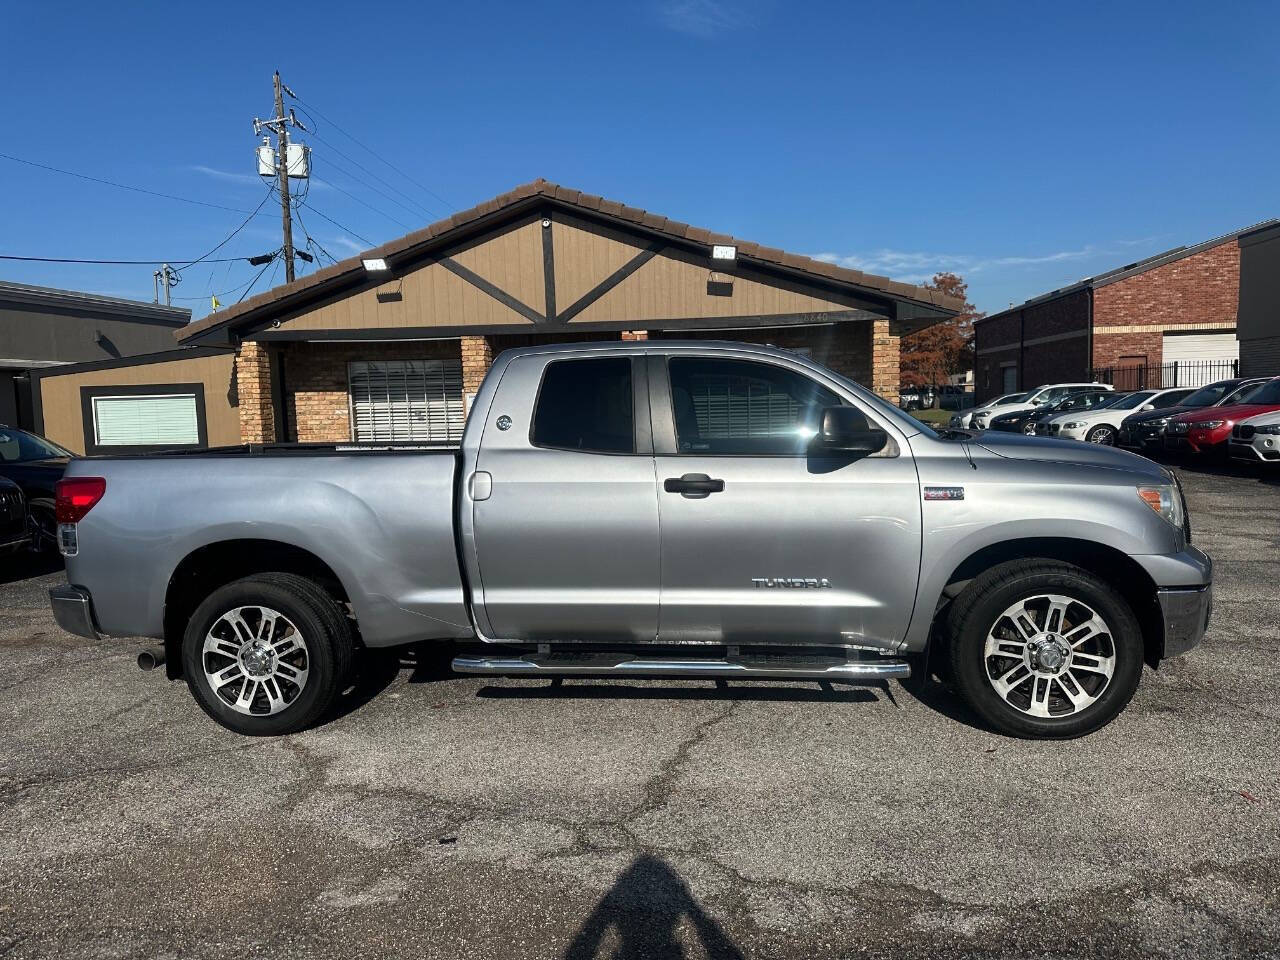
x,y
392,345
1168,320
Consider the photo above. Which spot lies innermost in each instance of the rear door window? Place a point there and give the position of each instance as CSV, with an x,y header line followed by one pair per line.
x,y
586,405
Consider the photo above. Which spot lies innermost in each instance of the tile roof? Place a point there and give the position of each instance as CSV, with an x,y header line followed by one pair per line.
x,y
575,198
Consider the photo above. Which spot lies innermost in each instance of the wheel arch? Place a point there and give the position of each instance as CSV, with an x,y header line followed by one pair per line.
x,y
1114,567
216,564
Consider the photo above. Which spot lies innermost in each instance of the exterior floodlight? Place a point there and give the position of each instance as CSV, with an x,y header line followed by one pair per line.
x,y
376,265
724,251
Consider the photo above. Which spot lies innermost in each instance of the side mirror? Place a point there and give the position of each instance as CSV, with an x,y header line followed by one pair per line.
x,y
847,430
1148,406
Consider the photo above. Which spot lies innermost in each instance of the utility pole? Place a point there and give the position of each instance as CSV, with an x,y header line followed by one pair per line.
x,y
282,161
277,165
167,277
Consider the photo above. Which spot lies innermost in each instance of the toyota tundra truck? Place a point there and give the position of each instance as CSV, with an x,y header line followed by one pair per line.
x,y
652,509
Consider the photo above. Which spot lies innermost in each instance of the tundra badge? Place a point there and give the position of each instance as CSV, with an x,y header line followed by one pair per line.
x,y
811,582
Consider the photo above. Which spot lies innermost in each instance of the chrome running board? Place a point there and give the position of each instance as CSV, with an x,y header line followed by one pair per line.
x,y
741,668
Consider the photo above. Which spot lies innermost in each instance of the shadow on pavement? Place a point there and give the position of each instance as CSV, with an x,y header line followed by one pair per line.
x,y
25,565
639,916
375,670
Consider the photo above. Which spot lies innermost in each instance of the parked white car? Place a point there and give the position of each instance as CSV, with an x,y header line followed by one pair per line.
x,y
1047,394
1257,438
1103,424
965,418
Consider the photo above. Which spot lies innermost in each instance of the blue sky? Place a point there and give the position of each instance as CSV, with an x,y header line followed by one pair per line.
x,y
1023,145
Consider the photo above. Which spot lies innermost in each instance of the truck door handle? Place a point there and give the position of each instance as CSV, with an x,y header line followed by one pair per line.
x,y
694,486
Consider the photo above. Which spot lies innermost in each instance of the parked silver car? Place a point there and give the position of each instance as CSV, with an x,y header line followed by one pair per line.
x,y
1257,439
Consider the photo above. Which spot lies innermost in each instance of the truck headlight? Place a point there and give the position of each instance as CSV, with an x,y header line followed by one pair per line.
x,y
1208,424
1164,500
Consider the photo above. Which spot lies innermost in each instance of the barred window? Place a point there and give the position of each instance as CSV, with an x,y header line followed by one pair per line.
x,y
744,408
400,401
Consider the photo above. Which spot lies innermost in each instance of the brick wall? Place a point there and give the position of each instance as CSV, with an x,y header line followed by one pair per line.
x,y
1202,289
253,387
315,382
1063,322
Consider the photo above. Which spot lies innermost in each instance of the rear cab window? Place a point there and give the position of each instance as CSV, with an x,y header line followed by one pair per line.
x,y
586,405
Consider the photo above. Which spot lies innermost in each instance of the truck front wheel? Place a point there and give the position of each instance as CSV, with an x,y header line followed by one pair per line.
x,y
1044,649
266,655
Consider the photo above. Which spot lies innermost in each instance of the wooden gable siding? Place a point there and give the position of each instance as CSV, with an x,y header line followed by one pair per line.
x,y
651,283
671,287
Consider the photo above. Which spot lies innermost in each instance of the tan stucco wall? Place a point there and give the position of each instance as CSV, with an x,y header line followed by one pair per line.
x,y
63,414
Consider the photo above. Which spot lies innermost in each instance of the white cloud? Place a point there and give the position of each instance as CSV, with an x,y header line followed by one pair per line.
x,y
702,18
347,243
912,266
226,175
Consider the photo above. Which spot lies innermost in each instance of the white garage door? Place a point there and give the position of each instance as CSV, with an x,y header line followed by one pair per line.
x,y
1194,359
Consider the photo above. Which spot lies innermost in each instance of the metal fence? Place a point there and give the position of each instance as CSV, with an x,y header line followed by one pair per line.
x,y
1179,373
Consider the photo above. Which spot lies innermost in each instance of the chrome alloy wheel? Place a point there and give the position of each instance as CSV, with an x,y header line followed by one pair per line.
x,y
1103,435
1049,656
255,660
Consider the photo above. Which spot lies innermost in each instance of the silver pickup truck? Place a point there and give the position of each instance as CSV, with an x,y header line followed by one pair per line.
x,y
652,509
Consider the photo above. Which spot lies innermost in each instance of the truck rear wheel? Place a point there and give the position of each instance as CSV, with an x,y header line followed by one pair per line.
x,y
1044,649
266,655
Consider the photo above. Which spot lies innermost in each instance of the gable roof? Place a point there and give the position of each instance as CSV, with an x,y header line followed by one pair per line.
x,y
926,303
1133,269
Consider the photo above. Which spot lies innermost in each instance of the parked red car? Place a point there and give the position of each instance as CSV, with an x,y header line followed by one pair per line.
x,y
1207,431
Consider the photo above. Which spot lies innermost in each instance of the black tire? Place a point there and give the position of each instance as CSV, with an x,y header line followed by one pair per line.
x,y
44,526
1102,434
330,648
990,594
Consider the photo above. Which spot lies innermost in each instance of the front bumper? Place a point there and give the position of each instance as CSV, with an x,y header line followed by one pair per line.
x,y
1186,612
1264,450
1184,589
73,611
1140,438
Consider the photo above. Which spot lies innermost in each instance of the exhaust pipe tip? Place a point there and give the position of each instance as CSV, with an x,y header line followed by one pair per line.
x,y
151,658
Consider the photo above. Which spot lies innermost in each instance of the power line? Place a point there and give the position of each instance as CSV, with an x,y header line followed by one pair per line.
x,y
381,213
424,211
340,226
205,258
113,263
420,186
310,239
122,186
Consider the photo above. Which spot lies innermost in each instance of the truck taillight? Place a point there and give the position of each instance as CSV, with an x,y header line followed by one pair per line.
x,y
76,496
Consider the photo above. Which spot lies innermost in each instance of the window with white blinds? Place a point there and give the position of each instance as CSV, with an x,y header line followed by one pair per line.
x,y
166,420
406,400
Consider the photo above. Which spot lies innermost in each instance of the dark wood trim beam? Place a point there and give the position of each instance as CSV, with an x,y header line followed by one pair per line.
x,y
549,268
673,326
484,286
611,281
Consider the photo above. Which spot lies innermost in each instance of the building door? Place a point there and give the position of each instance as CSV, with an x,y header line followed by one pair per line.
x,y
760,542
1194,359
1008,378
567,538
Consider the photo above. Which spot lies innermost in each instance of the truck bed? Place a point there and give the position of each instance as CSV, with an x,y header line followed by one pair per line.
x,y
380,517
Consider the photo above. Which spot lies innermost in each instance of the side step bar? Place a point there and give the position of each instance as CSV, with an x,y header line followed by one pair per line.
x,y
741,668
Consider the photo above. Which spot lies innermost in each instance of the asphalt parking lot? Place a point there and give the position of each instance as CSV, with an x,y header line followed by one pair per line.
x,y
438,816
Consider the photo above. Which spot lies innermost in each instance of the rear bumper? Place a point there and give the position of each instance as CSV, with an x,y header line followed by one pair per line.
x,y
1186,614
73,611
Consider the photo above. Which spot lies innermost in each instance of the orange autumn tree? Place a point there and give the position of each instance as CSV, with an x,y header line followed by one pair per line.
x,y
930,356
